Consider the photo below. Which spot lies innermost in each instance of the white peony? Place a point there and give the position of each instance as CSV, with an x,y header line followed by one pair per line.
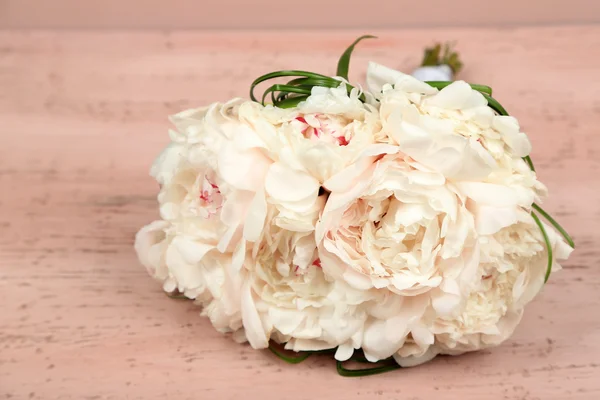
x,y
399,226
452,130
326,133
182,263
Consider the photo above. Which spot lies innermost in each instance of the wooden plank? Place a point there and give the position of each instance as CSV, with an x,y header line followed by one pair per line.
x,y
82,115
309,14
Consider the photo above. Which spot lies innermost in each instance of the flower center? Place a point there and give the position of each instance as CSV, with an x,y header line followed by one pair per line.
x,y
210,199
391,236
320,128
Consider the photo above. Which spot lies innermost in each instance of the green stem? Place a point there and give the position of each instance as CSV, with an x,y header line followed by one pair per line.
x,y
291,360
434,56
353,373
284,89
290,102
494,105
279,74
529,162
555,224
548,245
344,62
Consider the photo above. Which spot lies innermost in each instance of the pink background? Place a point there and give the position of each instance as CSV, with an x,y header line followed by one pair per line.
x,y
252,14
83,112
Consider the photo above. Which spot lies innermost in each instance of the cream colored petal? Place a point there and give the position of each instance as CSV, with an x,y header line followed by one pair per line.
x,y
253,328
244,170
378,76
255,218
285,184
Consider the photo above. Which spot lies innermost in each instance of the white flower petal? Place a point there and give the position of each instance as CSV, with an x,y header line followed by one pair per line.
x,y
413,361
285,184
489,193
378,76
244,170
255,332
344,352
255,219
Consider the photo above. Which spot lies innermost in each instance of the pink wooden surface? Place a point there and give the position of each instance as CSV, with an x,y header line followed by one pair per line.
x,y
83,114
308,14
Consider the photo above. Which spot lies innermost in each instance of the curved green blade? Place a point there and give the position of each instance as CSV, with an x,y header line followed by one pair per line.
x,y
284,89
548,245
291,360
365,371
291,101
344,62
278,74
555,224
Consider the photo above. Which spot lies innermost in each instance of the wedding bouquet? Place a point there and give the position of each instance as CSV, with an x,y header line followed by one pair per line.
x,y
383,225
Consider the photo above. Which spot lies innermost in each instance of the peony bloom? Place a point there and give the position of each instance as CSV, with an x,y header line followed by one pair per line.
x,y
396,221
452,131
326,133
240,241
183,264
292,300
512,266
215,178
403,232
394,226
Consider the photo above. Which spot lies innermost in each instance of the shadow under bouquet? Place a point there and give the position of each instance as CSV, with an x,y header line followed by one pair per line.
x,y
382,225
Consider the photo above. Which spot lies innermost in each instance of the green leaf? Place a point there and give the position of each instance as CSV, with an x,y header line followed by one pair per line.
x,y
433,56
442,84
548,245
366,371
291,101
527,159
555,224
279,74
291,360
344,62
494,105
284,89
331,83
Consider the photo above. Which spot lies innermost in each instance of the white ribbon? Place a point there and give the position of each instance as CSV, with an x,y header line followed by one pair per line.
x,y
434,73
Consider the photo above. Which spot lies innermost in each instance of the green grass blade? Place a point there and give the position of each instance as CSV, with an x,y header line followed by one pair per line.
x,y
344,62
331,83
527,159
548,245
285,89
495,105
555,224
290,102
353,373
291,360
279,74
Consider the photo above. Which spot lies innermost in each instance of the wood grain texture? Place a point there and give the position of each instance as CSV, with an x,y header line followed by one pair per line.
x,y
309,14
82,115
